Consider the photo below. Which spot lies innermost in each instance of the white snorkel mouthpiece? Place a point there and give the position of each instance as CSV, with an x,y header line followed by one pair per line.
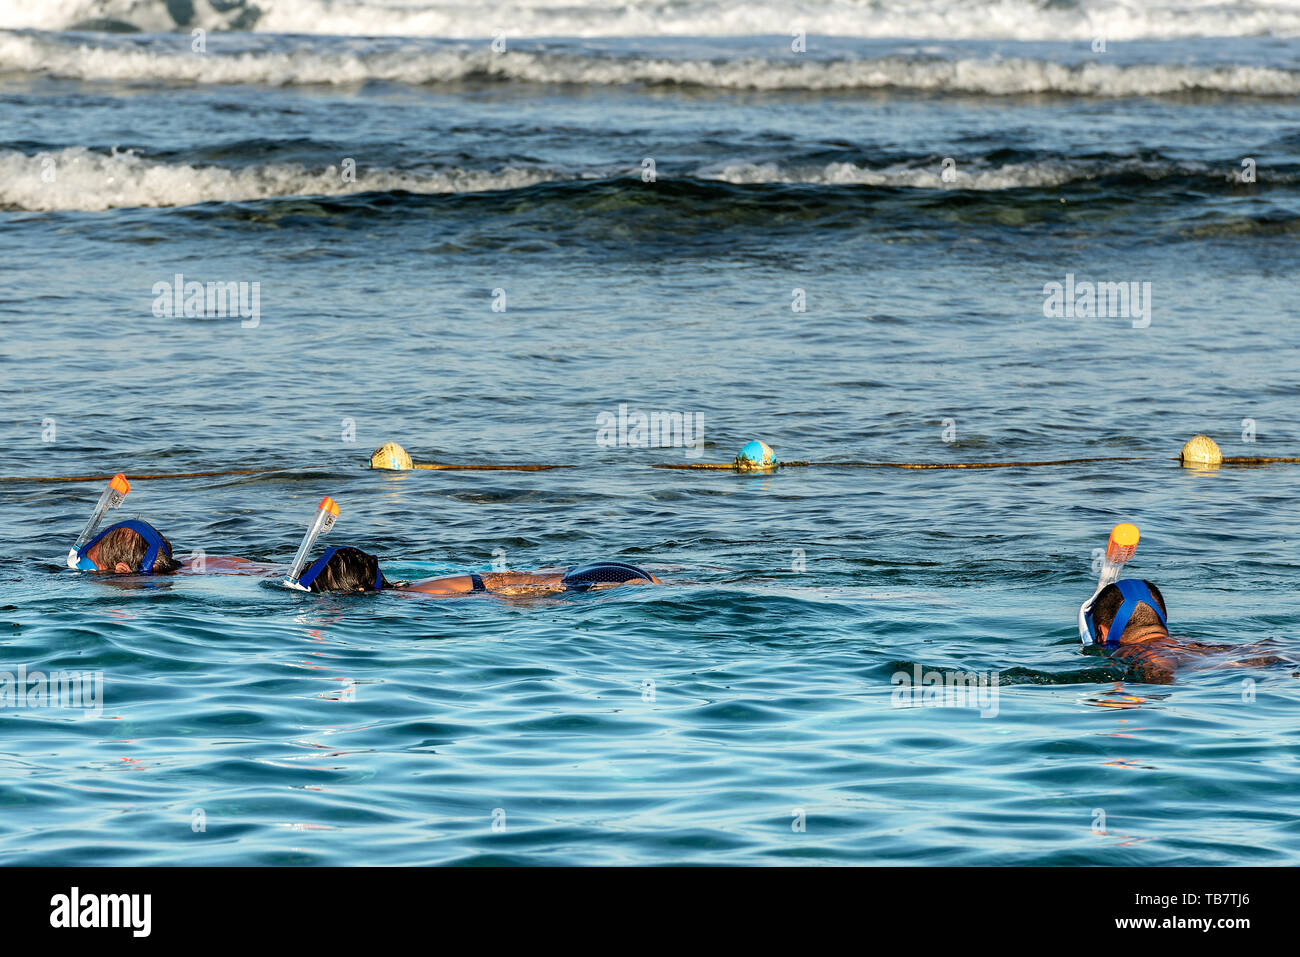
x,y
112,497
326,515
1121,547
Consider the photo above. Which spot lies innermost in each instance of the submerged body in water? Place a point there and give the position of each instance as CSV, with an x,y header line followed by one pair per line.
x,y
348,569
589,577
1158,658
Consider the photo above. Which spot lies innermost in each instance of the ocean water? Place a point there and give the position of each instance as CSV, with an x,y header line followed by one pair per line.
x,y
385,176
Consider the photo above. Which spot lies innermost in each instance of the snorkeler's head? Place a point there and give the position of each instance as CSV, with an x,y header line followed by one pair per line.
x,y
132,547
344,568
1130,599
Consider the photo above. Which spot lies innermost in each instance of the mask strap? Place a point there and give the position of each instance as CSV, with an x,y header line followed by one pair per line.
x,y
317,567
1135,593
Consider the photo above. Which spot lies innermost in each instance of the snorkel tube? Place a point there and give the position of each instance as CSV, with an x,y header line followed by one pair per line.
x,y
327,514
1121,547
118,487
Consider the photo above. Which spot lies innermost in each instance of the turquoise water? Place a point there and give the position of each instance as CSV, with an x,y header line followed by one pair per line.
x,y
744,712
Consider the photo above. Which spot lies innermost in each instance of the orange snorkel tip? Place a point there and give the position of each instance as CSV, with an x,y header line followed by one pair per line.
x,y
1123,543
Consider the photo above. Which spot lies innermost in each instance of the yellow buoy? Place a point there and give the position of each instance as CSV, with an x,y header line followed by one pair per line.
x,y
1201,451
390,456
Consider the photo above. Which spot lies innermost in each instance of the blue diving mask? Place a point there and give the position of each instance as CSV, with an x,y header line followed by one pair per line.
x,y
146,531
1134,592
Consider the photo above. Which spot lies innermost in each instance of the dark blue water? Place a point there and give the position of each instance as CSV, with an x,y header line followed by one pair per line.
x,y
704,721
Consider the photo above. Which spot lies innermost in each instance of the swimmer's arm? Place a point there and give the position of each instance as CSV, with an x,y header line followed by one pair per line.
x,y
1253,655
224,565
447,585
1259,661
1252,662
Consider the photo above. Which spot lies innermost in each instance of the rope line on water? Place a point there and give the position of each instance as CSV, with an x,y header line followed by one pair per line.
x,y
1257,459
135,478
443,467
756,457
974,465
188,475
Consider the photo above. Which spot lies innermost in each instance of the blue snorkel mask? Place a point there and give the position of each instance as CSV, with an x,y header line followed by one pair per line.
x,y
146,531
1134,592
318,566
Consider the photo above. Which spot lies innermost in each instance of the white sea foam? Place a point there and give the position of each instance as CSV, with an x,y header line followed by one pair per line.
x,y
310,64
1010,176
977,176
79,179
936,19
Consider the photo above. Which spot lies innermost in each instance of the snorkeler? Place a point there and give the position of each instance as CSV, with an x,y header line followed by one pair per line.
x,y
1128,618
130,547
135,547
344,568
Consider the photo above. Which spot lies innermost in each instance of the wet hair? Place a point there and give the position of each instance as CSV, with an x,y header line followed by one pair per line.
x,y
349,569
128,546
1107,605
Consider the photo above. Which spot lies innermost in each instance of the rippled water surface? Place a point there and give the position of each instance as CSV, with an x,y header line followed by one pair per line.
x,y
744,712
